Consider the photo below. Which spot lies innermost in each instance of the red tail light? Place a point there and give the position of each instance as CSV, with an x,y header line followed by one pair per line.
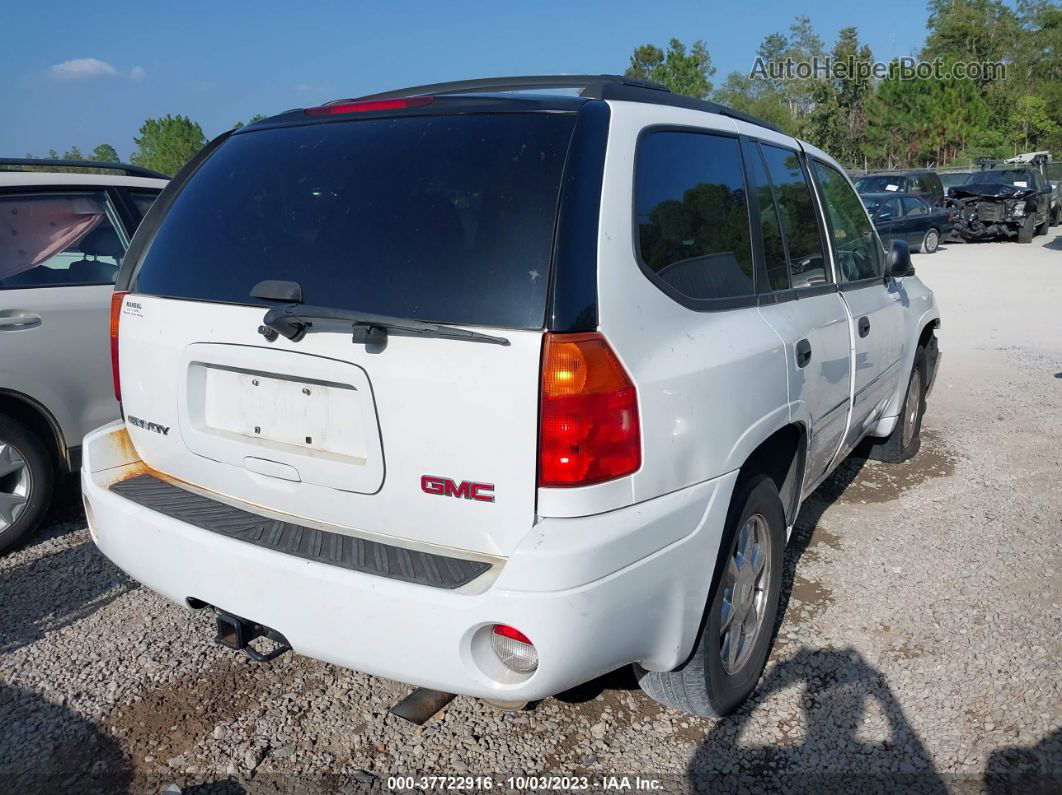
x,y
116,315
368,106
589,413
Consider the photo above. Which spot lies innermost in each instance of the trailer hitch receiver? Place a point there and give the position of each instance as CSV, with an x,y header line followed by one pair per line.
x,y
237,633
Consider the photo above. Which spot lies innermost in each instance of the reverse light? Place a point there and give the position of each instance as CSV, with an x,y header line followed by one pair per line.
x,y
589,431
514,649
117,299
368,106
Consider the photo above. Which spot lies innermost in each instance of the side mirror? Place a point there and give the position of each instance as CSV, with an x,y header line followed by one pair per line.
x,y
898,260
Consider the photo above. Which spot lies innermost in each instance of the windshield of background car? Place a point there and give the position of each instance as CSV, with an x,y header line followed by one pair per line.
x,y
444,218
1019,178
881,183
953,179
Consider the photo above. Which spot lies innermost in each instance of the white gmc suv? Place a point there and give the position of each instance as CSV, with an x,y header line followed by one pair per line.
x,y
493,390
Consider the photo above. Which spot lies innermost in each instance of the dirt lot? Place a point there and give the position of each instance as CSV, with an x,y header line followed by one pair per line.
x,y
920,646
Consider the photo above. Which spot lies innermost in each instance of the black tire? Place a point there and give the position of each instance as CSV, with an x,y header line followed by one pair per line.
x,y
1056,214
1042,228
931,242
901,445
1025,232
37,496
701,685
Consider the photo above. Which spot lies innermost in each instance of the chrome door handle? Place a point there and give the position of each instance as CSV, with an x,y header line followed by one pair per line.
x,y
17,322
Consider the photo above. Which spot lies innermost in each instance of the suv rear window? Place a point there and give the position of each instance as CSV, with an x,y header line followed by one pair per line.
x,y
439,218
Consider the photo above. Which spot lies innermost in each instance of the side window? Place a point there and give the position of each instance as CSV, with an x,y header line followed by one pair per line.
x,y
859,255
142,201
915,185
912,206
800,225
890,210
692,215
55,239
773,247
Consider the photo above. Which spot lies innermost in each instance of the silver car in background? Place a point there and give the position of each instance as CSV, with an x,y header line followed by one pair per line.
x,y
63,238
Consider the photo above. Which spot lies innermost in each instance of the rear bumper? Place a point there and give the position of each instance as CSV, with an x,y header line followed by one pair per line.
x,y
592,593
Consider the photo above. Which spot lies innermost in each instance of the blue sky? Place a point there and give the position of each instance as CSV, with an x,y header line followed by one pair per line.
x,y
224,61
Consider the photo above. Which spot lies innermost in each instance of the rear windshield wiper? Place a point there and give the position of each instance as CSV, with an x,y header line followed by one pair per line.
x,y
294,320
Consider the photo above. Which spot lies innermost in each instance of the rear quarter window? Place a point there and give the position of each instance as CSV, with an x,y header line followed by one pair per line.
x,y
445,218
692,216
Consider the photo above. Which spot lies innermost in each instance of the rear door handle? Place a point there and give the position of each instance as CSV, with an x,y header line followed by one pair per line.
x,y
803,353
17,322
864,326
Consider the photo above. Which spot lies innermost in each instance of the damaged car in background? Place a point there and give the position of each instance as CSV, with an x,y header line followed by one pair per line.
x,y
1002,202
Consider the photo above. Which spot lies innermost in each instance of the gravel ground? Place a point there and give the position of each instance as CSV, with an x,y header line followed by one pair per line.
x,y
920,645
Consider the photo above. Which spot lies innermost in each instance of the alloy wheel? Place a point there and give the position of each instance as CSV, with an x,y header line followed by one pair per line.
x,y
745,586
15,484
912,405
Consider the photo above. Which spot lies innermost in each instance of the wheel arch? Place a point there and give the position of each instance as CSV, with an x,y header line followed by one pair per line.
x,y
928,329
38,419
782,456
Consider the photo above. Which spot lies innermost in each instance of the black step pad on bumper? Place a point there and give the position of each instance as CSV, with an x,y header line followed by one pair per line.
x,y
334,549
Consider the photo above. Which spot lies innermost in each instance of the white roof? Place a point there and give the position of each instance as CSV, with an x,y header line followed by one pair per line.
x,y
30,178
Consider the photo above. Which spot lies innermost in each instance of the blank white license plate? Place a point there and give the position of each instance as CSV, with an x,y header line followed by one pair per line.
x,y
326,418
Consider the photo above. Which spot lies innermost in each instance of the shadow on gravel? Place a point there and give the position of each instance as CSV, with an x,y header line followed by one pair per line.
x,y
1026,769
825,752
45,747
620,679
52,592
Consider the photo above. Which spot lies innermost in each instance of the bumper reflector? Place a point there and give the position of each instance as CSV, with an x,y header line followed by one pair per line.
x,y
514,649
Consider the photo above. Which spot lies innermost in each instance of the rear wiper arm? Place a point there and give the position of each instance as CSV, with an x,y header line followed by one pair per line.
x,y
294,320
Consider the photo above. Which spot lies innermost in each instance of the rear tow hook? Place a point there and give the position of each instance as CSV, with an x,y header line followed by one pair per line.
x,y
237,633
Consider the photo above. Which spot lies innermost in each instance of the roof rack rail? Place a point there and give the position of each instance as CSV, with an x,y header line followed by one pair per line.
x,y
130,170
615,87
523,83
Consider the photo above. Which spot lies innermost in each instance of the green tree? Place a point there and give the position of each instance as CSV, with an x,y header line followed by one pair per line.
x,y
757,98
837,119
1031,123
168,143
771,83
252,120
923,122
804,46
970,30
104,153
680,71
1036,64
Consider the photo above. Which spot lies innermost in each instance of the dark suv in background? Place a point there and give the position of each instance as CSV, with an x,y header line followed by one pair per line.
x,y
925,184
1003,202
